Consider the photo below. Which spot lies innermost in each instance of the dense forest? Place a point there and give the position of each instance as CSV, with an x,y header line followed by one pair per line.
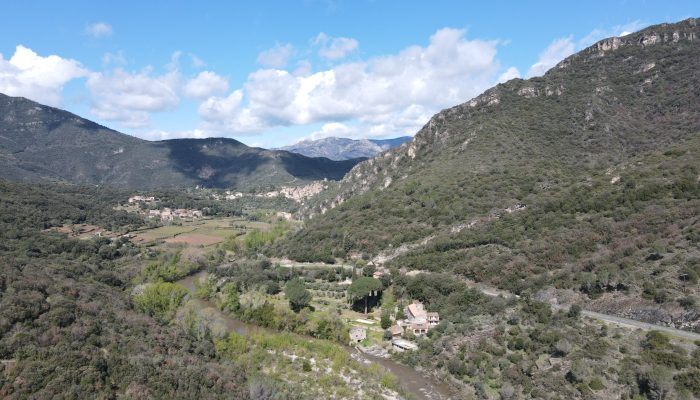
x,y
68,328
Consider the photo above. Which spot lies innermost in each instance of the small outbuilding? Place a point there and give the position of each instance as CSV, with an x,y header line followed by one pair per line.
x,y
401,345
396,331
357,334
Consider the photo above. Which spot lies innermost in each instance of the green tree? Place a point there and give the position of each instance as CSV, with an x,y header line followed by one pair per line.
x,y
297,294
387,335
386,320
400,314
231,301
160,300
204,289
388,300
656,383
364,288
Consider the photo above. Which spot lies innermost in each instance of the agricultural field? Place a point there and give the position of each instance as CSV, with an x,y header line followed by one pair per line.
x,y
205,232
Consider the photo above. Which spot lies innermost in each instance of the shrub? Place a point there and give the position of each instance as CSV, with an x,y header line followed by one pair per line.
x,y
386,320
296,293
160,300
596,384
689,381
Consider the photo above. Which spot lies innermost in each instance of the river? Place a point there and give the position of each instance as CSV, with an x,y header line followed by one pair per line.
x,y
419,386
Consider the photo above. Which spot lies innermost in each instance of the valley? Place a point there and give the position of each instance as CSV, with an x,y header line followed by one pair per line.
x,y
540,240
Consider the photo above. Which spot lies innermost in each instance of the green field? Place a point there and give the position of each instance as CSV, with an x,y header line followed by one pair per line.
x,y
200,232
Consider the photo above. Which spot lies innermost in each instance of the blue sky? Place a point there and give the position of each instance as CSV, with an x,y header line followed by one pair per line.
x,y
270,73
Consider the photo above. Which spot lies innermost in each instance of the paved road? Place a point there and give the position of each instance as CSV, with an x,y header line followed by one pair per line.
x,y
491,291
641,325
626,322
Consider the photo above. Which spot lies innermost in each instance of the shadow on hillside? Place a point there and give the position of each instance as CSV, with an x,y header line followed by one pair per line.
x,y
219,162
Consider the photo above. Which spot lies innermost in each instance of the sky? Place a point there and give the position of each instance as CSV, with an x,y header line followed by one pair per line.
x,y
271,73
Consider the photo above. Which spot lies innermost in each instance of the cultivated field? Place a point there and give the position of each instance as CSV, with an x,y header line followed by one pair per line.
x,y
204,232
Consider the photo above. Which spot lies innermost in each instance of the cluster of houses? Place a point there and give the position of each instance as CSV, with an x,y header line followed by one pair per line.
x,y
418,321
296,193
167,214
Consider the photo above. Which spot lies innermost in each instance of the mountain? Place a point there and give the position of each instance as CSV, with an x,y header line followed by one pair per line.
x,y
580,186
345,149
38,142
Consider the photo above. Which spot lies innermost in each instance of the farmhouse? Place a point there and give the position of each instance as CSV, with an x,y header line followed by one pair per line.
x,y
433,318
166,214
418,320
153,213
415,311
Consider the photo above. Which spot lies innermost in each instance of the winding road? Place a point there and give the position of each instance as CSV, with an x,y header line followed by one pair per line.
x,y
612,319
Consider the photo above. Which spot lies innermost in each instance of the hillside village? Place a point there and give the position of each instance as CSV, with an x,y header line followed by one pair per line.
x,y
295,193
146,206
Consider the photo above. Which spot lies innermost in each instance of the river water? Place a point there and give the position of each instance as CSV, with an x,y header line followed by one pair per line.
x,y
419,386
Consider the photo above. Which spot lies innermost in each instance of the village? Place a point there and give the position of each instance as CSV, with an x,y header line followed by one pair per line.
x,y
295,193
165,214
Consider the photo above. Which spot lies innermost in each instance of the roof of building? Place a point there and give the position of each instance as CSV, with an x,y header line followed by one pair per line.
x,y
404,344
396,330
416,309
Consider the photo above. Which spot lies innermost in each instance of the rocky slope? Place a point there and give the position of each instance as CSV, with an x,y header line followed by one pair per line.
x,y
605,103
38,142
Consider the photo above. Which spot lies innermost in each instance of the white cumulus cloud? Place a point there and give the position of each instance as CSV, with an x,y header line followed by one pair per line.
x,y
35,77
165,135
555,52
561,48
205,84
509,74
334,48
99,30
406,87
129,98
225,114
332,129
277,56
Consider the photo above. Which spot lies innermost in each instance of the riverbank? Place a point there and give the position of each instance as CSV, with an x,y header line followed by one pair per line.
x,y
411,383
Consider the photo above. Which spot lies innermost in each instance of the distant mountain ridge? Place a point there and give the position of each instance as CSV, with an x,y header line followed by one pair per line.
x,y
338,149
39,142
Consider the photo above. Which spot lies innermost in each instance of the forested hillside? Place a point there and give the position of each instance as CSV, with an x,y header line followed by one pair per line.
x,y
67,325
41,143
576,186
